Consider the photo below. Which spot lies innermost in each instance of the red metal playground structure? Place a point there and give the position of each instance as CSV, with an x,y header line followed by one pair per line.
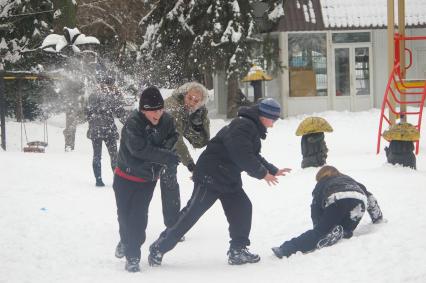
x,y
401,93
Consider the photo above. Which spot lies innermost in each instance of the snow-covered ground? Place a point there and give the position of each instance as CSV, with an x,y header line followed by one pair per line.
x,y
56,226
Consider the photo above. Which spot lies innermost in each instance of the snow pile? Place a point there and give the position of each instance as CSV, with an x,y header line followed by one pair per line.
x,y
58,227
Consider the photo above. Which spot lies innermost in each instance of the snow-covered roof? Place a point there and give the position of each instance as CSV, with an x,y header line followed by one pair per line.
x,y
346,14
369,13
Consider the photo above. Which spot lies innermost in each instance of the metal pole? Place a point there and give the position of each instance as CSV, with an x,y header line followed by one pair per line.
x,y
391,50
401,31
2,108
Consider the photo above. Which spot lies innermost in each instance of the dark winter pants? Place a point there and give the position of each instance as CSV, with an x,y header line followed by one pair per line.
x,y
70,128
237,208
132,199
345,212
111,144
170,196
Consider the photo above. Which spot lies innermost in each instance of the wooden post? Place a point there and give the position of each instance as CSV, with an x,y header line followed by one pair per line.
x,y
2,108
401,31
257,90
19,112
391,50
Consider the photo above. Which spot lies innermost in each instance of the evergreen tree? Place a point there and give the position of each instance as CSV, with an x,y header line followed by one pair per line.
x,y
115,24
23,26
183,38
167,38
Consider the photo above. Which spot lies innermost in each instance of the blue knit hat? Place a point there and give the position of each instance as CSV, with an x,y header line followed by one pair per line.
x,y
270,108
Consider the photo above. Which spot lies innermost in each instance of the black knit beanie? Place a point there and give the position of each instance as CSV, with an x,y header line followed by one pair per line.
x,y
151,99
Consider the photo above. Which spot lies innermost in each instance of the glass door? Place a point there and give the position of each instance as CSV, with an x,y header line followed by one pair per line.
x,y
342,71
352,83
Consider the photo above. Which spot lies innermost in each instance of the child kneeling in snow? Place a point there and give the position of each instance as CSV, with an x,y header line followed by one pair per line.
x,y
337,207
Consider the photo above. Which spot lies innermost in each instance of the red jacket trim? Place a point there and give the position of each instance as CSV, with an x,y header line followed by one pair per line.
x,y
123,175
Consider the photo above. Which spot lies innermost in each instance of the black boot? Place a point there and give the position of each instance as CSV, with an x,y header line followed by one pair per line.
x,y
120,250
331,238
155,257
99,182
96,164
132,265
238,256
281,252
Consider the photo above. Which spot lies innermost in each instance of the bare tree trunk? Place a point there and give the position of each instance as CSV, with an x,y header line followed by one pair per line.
x,y
19,107
208,80
232,93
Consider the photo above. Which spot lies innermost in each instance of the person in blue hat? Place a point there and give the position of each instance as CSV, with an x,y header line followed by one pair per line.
x,y
217,176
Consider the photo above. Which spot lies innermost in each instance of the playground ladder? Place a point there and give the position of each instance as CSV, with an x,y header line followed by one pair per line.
x,y
414,95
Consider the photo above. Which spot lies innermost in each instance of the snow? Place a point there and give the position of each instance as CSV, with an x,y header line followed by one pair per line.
x,y
59,41
231,33
57,14
58,227
83,39
277,12
3,44
6,8
151,31
367,13
56,40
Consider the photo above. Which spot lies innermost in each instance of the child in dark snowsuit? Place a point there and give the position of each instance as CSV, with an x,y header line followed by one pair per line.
x,y
338,204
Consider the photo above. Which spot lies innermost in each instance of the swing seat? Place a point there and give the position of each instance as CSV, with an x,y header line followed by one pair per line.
x,y
35,146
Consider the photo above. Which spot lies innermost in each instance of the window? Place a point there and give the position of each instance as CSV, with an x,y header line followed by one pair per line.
x,y
362,71
307,64
350,37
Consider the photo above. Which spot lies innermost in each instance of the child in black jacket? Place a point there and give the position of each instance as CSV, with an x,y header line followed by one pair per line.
x,y
338,204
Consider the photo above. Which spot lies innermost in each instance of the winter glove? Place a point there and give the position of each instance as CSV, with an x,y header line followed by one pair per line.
x,y
191,167
196,119
172,158
170,142
373,209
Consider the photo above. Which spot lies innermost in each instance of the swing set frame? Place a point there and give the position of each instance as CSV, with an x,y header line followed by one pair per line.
x,y
31,146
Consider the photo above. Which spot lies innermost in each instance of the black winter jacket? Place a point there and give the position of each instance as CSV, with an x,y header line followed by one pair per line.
x,y
103,106
331,189
146,149
234,149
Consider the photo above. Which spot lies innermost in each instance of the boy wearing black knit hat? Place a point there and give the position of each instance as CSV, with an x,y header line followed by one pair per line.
x,y
146,148
217,175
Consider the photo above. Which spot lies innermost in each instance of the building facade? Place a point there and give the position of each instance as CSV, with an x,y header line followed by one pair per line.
x,y
333,54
